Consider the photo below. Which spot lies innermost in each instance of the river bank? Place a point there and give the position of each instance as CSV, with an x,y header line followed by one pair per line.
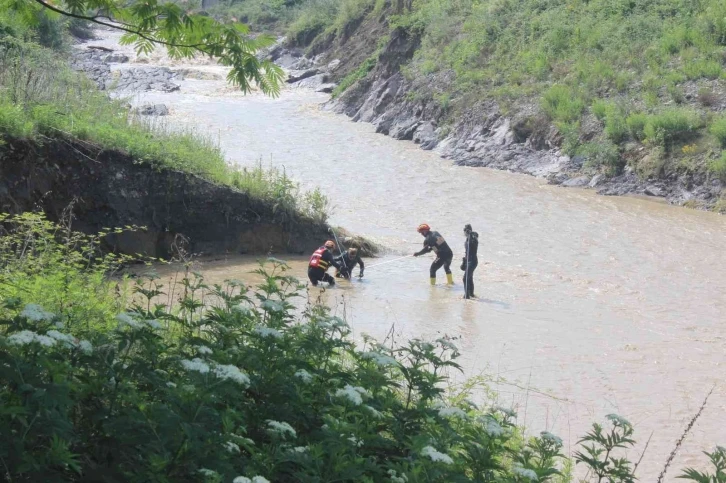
x,y
484,137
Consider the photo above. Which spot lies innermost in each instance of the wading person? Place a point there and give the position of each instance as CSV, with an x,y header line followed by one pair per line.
x,y
347,261
434,241
321,259
470,261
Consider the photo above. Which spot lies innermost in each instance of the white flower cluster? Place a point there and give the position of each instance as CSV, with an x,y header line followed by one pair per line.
x,y
206,472
231,447
356,442
35,313
304,375
203,349
426,346
299,449
452,413
436,456
171,385
281,428
520,470
273,306
333,323
376,413
126,319
85,347
551,438
222,371
25,337
255,479
243,310
447,344
492,427
352,394
506,411
65,339
49,340
264,331
397,479
381,360
228,371
196,365
619,420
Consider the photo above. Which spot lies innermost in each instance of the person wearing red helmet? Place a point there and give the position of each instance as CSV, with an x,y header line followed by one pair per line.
x,y
321,259
434,241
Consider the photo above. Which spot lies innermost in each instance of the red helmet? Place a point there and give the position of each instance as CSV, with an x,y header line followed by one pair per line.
x,y
423,227
330,244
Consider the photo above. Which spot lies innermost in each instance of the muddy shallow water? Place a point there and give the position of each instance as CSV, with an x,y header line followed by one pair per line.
x,y
587,305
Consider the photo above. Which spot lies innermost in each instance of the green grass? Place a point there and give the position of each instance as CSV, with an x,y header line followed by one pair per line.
x,y
41,97
718,129
356,75
718,166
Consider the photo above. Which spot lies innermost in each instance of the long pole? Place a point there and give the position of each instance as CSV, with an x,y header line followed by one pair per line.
x,y
390,261
340,249
466,271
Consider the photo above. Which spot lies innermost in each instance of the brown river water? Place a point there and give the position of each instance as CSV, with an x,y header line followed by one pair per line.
x,y
587,305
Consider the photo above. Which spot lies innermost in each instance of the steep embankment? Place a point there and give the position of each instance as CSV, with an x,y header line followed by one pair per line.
x,y
624,99
107,188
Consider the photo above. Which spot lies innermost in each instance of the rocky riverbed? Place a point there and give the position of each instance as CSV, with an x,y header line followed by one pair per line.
x,y
484,136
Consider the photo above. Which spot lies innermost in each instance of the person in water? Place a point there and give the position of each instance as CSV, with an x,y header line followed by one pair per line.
x,y
470,261
321,259
434,241
347,261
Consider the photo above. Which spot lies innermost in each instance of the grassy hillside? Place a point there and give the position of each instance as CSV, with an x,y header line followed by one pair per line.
x,y
626,82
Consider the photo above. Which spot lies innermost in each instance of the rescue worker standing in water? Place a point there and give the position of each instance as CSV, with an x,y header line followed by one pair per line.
x,y
347,262
470,260
321,259
434,241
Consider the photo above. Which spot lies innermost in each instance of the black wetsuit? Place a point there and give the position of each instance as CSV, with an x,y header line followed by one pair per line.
x,y
434,241
347,265
469,262
321,259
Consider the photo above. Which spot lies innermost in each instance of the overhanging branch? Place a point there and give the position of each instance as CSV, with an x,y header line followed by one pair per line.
x,y
123,27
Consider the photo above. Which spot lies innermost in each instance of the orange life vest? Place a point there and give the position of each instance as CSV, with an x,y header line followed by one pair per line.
x,y
316,261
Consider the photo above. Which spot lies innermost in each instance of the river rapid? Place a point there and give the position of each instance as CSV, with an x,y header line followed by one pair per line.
x,y
586,306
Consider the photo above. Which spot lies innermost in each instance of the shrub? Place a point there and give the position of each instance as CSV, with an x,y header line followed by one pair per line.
x,y
718,129
312,17
64,271
242,389
561,103
718,166
600,108
636,124
671,124
603,153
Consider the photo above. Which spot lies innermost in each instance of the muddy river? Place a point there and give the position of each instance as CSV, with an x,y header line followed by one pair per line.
x,y
587,305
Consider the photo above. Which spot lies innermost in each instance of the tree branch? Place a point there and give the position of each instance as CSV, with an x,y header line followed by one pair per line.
x,y
123,27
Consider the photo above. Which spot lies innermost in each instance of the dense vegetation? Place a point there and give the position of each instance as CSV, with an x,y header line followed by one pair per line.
x,y
232,383
41,97
626,82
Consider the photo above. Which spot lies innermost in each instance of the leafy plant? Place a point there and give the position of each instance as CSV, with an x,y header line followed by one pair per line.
x,y
147,25
718,460
599,451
